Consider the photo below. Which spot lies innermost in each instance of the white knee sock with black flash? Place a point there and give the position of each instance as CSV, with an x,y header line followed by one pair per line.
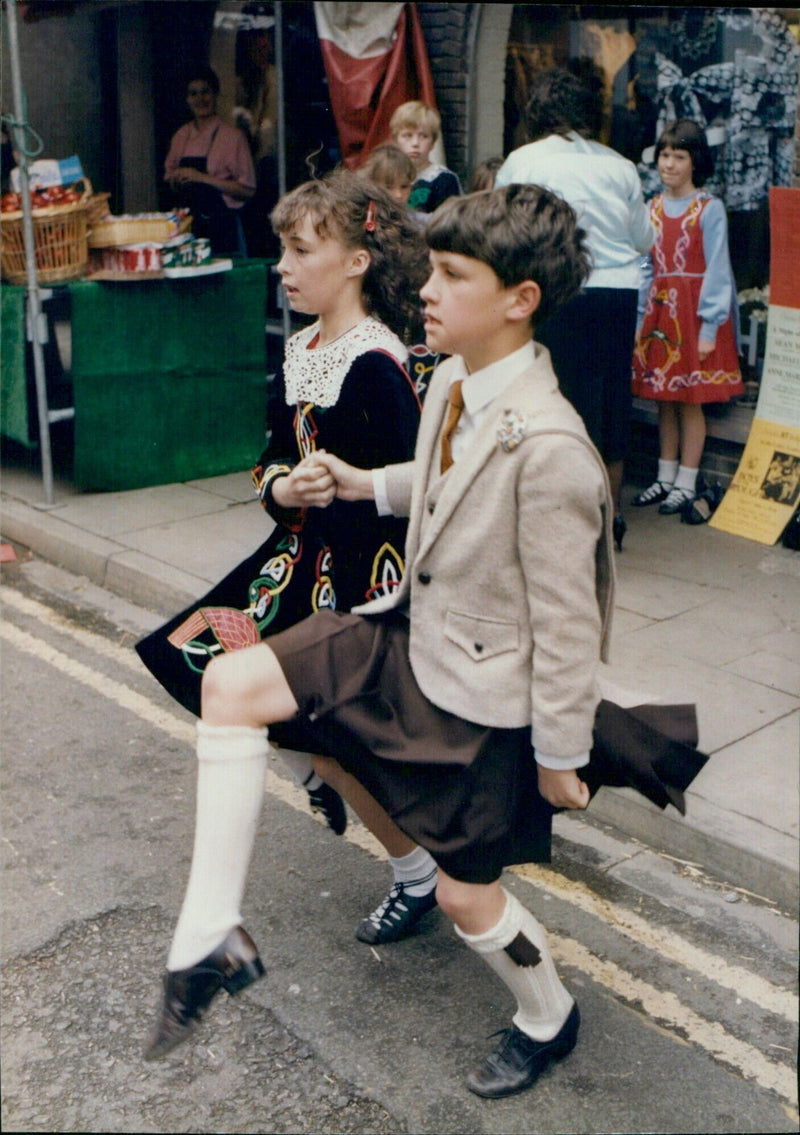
x,y
516,949
231,767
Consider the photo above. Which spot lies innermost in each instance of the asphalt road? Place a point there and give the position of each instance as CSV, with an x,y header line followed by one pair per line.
x,y
687,987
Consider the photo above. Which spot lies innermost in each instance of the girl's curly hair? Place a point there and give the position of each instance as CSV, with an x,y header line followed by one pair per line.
x,y
339,208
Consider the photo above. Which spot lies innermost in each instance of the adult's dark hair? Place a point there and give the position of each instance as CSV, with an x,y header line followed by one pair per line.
x,y
204,73
687,135
339,207
523,232
559,102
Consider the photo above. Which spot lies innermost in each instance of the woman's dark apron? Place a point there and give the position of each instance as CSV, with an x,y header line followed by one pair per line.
x,y
211,217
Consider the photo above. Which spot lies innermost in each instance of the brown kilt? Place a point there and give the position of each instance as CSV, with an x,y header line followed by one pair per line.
x,y
466,792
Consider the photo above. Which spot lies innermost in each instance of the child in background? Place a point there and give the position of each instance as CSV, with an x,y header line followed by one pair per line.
x,y
356,260
483,175
415,128
686,350
392,169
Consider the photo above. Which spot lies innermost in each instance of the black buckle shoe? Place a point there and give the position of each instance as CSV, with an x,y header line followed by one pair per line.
x,y
233,966
396,917
518,1061
328,803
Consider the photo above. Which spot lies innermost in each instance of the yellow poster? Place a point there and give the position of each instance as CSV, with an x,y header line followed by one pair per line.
x,y
765,490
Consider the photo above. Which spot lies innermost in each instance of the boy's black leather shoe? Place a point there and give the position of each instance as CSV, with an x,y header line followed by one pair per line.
x,y
233,966
518,1060
396,917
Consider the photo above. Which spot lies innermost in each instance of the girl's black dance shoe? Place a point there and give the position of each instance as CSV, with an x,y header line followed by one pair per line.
x,y
233,966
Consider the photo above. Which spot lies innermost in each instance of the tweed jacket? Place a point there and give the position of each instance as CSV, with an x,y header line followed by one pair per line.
x,y
509,570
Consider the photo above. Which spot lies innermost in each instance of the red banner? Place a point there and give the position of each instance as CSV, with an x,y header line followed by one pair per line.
x,y
366,89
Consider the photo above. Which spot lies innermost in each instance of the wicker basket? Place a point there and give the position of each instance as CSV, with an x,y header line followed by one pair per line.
x,y
117,231
59,234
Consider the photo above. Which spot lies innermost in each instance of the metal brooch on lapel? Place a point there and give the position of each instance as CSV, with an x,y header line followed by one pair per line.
x,y
511,430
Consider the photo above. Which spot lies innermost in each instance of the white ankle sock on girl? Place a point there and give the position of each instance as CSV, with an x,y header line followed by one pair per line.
x,y
686,479
667,471
417,871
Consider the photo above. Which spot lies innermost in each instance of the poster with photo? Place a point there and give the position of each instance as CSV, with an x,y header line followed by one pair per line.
x,y
765,490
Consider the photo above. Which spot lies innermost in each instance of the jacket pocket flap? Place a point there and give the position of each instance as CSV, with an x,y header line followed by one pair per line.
x,y
480,637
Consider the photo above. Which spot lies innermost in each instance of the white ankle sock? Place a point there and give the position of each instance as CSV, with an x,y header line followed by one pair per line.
x,y
686,479
417,871
543,1002
667,471
301,768
231,766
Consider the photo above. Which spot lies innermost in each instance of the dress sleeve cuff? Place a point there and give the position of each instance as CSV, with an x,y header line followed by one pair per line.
x,y
708,331
381,496
561,764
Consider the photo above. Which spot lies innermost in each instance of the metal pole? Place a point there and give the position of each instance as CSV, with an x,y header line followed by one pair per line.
x,y
37,324
281,137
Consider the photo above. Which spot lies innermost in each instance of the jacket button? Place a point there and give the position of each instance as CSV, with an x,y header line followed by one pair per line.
x,y
431,508
478,647
424,577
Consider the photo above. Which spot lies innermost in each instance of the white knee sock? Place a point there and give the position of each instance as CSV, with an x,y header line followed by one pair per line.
x,y
301,769
686,479
417,871
231,766
528,970
667,471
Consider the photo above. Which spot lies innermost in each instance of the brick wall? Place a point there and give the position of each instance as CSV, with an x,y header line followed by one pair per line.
x,y
446,30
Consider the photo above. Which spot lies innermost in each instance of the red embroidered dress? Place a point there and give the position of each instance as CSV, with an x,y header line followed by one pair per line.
x,y
666,365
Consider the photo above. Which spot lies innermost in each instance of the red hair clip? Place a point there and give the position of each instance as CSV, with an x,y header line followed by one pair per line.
x,y
371,223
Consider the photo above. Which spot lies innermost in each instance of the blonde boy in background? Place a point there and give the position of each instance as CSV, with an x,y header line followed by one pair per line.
x,y
415,128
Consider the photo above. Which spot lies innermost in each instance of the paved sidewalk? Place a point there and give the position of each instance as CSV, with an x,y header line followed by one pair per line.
x,y
701,616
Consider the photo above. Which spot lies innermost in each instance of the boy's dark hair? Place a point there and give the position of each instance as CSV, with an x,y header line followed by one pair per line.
x,y
523,232
338,206
687,135
203,72
560,102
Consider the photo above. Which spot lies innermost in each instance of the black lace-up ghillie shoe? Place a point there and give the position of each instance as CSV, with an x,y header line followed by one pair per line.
x,y
328,803
396,917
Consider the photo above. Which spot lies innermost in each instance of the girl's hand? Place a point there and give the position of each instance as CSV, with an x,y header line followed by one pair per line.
x,y
352,484
704,348
309,485
563,788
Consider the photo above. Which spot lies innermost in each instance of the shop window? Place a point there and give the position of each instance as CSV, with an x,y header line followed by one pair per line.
x,y
733,70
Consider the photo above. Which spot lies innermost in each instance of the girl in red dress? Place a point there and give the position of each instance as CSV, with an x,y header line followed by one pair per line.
x,y
686,350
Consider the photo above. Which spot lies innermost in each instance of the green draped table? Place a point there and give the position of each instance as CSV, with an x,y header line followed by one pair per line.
x,y
169,377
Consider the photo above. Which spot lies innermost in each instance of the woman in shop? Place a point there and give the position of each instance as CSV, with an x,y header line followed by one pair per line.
x,y
210,168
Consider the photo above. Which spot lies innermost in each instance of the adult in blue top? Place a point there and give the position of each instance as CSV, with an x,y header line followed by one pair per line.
x,y
590,338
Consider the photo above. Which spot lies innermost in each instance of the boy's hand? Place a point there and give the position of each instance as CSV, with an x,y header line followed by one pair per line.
x,y
704,348
309,485
352,484
563,788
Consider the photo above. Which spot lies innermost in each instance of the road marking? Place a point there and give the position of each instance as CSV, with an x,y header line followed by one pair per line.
x,y
23,603
665,1008
103,685
743,982
658,1004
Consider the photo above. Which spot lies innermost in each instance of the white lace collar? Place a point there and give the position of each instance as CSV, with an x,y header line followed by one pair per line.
x,y
317,375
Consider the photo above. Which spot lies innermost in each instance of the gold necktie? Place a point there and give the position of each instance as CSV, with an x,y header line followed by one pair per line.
x,y
455,404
